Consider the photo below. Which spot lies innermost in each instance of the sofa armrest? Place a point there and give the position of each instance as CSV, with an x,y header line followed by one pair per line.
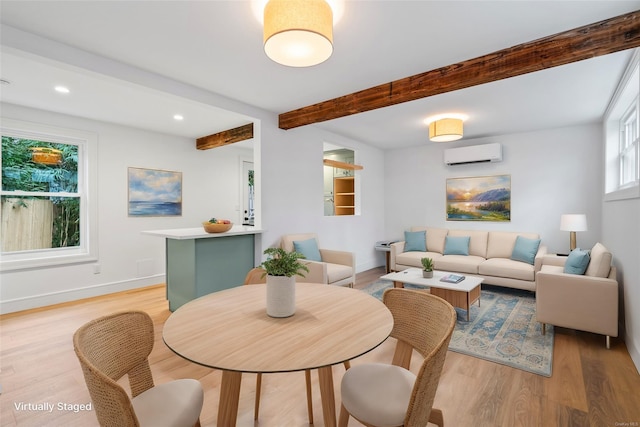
x,y
317,272
539,258
585,303
556,260
396,248
338,257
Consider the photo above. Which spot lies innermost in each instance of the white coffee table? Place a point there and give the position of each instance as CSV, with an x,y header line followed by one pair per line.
x,y
460,295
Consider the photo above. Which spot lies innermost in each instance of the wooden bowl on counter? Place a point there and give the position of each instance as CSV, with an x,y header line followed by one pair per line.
x,y
216,228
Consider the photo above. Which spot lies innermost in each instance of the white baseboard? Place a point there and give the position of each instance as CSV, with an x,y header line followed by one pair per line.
x,y
43,300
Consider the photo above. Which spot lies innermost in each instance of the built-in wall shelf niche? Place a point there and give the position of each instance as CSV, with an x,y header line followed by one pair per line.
x,y
344,195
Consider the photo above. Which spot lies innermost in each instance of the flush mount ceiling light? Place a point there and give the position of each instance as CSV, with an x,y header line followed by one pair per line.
x,y
298,33
61,89
445,127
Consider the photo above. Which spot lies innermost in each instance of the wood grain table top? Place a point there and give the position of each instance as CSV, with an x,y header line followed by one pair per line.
x,y
230,329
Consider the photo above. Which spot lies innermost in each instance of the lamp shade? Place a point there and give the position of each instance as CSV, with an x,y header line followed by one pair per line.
x,y
573,222
445,130
298,33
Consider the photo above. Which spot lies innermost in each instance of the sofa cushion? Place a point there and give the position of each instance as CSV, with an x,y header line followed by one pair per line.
x,y
577,262
459,263
415,241
456,245
501,243
600,263
477,243
308,248
525,250
435,239
337,272
413,258
503,267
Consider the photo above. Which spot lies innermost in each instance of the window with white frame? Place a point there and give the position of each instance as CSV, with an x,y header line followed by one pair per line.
x,y
622,136
629,135
48,217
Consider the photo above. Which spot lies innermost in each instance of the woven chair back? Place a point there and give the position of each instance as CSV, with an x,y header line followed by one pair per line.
x,y
425,323
109,348
255,276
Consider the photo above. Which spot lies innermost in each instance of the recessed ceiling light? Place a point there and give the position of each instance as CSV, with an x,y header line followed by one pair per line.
x,y
61,89
178,117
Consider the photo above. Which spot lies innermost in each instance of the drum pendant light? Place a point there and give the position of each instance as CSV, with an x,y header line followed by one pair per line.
x,y
298,33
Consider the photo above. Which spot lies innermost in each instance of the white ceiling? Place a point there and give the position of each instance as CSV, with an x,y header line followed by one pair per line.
x,y
217,46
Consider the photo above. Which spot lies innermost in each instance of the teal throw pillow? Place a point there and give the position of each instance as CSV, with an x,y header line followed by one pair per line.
x,y
415,241
456,245
577,262
525,250
308,248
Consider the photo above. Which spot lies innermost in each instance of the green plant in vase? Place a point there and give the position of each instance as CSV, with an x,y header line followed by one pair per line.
x,y
283,263
427,267
281,268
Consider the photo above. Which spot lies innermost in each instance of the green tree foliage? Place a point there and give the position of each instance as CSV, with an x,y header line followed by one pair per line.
x,y
20,173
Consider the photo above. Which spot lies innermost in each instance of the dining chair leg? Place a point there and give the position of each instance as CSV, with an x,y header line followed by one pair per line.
x,y
307,377
436,417
344,417
256,411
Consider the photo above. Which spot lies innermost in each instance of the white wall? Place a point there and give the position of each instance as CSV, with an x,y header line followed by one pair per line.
x,y
552,172
621,235
127,258
292,196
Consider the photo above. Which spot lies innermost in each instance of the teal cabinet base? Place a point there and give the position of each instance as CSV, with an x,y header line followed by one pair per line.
x,y
197,267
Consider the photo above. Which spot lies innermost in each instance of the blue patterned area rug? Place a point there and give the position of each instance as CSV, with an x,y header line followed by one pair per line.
x,y
502,330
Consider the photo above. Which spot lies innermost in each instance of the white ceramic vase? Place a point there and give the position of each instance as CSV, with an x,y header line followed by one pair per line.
x,y
427,274
281,296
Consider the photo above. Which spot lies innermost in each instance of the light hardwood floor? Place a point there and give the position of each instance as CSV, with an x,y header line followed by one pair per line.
x,y
590,386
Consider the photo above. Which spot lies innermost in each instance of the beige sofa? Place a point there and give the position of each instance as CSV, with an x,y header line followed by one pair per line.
x,y
586,302
489,256
335,268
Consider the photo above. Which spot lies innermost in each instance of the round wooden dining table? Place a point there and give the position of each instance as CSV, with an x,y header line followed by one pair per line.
x,y
231,331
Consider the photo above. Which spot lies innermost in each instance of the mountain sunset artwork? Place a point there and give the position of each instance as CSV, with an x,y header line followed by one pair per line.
x,y
484,198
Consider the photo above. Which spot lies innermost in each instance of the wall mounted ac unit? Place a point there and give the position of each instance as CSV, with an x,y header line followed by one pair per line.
x,y
473,154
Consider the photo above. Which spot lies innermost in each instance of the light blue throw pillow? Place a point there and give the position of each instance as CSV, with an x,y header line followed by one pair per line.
x,y
525,250
308,248
577,262
454,245
415,241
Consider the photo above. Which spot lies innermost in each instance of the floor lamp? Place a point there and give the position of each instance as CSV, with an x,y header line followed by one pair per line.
x,y
573,223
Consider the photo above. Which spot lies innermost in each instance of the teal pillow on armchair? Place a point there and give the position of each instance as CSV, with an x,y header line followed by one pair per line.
x,y
577,262
308,248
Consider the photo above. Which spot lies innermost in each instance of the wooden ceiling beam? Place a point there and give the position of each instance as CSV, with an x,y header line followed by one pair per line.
x,y
225,137
601,38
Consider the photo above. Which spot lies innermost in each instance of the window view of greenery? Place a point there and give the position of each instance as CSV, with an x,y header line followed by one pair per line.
x,y
40,199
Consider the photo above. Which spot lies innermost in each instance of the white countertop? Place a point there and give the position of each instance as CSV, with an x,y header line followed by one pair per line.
x,y
199,233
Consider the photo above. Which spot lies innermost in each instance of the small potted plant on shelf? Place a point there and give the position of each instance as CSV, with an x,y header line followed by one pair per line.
x,y
281,268
427,267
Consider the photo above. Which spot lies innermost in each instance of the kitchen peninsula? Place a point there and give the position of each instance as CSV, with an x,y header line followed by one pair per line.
x,y
198,263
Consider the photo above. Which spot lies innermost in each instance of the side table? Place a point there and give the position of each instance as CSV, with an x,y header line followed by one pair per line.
x,y
385,246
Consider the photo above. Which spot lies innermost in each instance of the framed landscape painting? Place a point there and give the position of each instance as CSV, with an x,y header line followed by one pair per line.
x,y
154,192
482,198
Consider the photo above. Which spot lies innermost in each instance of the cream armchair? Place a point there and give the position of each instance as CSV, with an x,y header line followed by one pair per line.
x,y
334,268
586,302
